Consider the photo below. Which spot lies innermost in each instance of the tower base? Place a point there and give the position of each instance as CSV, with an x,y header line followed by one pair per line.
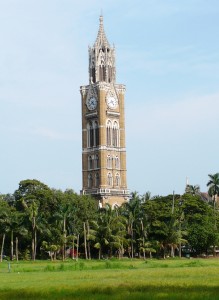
x,y
108,196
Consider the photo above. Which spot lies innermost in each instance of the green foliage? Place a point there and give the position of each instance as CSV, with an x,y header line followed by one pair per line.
x,y
54,224
192,189
200,223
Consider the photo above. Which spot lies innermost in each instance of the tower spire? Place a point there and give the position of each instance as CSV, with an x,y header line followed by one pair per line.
x,y
102,58
101,39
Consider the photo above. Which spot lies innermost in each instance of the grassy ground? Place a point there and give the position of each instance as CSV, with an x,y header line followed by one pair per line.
x,y
111,279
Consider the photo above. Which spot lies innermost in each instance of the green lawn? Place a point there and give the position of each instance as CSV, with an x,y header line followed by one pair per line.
x,y
111,279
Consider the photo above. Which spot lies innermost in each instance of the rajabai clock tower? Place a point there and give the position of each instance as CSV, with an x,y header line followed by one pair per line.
x,y
103,127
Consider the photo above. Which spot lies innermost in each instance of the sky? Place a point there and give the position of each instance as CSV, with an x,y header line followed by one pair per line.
x,y
167,55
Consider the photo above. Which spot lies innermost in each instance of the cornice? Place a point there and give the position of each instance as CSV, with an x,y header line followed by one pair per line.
x,y
101,148
91,115
112,113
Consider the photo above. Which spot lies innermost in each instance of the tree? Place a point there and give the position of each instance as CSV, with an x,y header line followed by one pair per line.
x,y
31,208
4,215
11,222
34,199
110,235
199,217
132,212
164,228
213,185
192,189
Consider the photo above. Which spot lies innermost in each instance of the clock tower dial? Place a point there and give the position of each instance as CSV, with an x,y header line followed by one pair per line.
x,y
103,127
112,102
91,103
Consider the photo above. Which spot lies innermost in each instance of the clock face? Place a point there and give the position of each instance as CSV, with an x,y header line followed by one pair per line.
x,y
112,102
91,103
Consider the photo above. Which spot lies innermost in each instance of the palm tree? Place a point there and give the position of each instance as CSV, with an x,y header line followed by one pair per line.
x,y
4,216
31,208
175,233
111,232
213,185
132,212
192,189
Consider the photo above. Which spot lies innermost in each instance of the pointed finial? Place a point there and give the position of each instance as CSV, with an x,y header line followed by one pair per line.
x,y
101,37
101,19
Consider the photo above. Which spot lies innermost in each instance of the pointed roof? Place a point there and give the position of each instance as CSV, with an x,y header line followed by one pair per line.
x,y
101,39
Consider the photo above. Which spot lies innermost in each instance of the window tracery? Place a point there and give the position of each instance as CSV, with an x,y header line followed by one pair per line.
x,y
117,179
90,181
115,134
109,179
92,134
97,180
90,162
109,133
117,164
96,161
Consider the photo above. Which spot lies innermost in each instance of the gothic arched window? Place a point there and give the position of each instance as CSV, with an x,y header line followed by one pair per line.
x,y
110,73
97,180
115,134
92,134
110,179
117,179
96,134
109,162
96,162
109,133
90,163
90,181
116,162
89,128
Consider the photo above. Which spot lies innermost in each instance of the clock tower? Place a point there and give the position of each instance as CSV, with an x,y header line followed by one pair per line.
x,y
103,127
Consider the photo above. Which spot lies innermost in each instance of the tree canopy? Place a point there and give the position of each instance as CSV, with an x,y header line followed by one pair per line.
x,y
39,222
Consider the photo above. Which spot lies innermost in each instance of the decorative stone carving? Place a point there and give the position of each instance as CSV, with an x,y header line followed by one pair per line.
x,y
91,92
83,90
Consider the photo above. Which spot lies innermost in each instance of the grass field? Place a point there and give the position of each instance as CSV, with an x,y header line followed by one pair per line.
x,y
111,279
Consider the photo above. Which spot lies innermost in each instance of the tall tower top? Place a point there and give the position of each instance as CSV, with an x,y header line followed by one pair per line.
x,y
102,66
101,39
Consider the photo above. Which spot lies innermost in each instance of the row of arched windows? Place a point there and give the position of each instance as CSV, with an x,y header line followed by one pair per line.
x,y
109,162
92,134
110,179
112,133
94,181
93,162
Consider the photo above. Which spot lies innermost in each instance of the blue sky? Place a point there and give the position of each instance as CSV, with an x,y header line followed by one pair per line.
x,y
167,54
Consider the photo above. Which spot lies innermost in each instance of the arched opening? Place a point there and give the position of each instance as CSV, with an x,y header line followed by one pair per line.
x,y
115,134
90,163
97,180
117,165
96,133
96,161
109,179
109,133
117,180
90,181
